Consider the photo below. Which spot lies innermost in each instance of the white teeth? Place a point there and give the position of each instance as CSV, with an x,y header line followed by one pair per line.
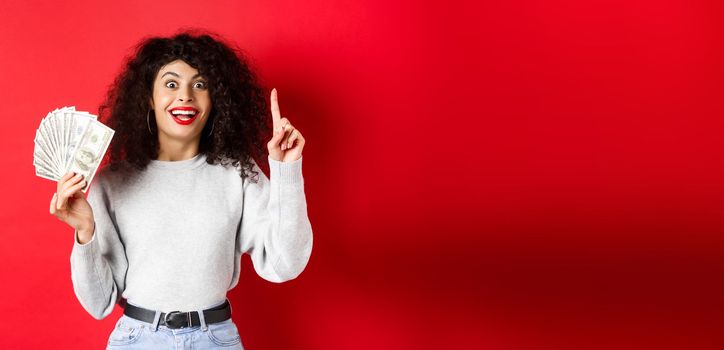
x,y
179,112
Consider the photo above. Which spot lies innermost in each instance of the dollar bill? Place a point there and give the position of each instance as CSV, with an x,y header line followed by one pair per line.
x,y
49,141
79,127
90,150
69,140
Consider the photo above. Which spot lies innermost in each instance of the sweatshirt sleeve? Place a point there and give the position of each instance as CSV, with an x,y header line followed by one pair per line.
x,y
98,267
275,229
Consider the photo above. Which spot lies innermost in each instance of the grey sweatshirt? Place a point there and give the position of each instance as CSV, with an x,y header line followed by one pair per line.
x,y
171,237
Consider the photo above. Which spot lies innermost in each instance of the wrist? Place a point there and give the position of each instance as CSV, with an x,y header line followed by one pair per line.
x,y
85,233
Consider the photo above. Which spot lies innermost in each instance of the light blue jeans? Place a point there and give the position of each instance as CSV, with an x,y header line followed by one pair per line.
x,y
130,333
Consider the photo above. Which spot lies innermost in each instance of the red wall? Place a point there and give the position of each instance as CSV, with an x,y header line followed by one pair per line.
x,y
482,174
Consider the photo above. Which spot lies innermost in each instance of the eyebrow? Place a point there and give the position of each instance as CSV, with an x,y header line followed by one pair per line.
x,y
178,76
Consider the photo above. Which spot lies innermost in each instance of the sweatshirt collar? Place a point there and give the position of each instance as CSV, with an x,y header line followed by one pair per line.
x,y
190,163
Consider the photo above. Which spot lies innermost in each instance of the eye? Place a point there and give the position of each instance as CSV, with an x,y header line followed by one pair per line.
x,y
200,85
171,84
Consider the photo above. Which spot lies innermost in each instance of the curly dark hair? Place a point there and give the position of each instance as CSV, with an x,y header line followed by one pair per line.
x,y
239,114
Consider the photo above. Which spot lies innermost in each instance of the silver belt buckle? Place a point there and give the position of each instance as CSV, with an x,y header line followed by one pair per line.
x,y
175,326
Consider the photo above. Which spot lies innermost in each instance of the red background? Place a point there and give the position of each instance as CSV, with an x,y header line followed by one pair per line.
x,y
491,174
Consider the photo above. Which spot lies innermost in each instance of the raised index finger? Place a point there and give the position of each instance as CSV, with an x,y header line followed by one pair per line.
x,y
276,115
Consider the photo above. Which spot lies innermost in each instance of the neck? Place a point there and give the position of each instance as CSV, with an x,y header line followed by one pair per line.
x,y
174,150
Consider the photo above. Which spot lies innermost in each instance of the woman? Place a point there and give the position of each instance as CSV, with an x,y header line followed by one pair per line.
x,y
165,224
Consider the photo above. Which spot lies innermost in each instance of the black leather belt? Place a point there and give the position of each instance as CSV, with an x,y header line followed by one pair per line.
x,y
177,319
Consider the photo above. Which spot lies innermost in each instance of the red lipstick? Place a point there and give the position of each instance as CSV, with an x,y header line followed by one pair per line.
x,y
184,115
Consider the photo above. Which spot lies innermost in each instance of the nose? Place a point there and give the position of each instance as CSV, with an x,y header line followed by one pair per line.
x,y
185,94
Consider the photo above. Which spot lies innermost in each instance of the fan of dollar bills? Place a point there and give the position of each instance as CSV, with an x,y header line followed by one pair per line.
x,y
69,140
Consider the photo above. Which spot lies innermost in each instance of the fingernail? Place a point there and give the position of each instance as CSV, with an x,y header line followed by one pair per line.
x,y
283,147
78,175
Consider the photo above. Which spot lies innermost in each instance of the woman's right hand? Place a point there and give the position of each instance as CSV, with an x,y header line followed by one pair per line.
x,y
70,206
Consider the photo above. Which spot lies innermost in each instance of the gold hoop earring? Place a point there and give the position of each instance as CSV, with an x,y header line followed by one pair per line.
x,y
148,123
212,127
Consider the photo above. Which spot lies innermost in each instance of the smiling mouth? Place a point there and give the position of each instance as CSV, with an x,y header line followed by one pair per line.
x,y
184,115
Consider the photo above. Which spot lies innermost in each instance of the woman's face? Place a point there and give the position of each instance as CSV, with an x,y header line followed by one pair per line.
x,y
181,102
